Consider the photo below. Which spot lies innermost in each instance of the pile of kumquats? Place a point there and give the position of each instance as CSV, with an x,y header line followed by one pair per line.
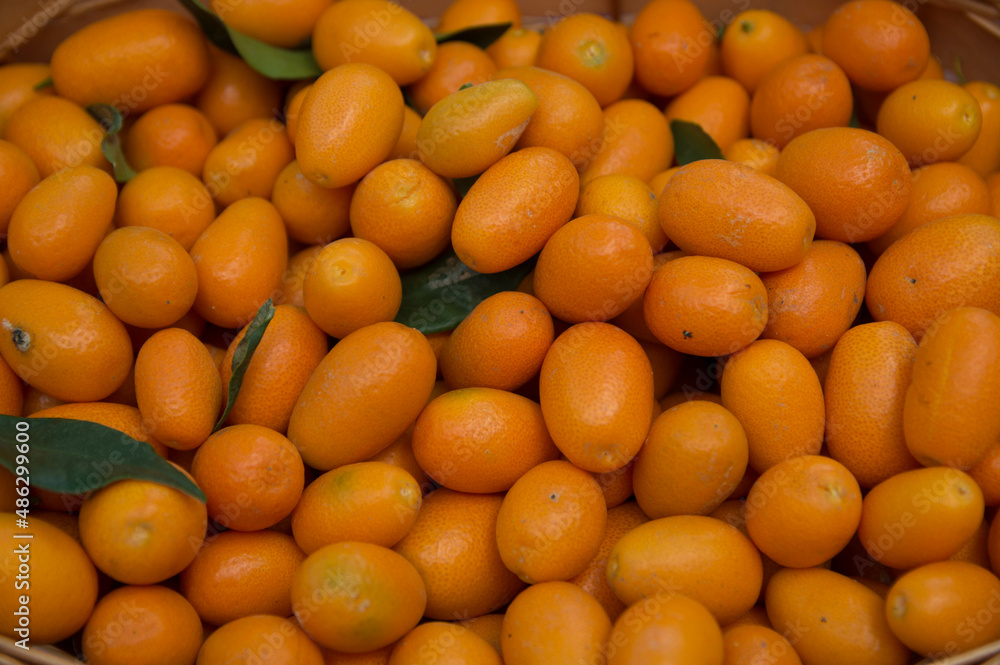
x,y
331,338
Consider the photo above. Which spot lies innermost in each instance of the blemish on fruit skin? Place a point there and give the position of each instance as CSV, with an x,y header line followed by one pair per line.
x,y
20,337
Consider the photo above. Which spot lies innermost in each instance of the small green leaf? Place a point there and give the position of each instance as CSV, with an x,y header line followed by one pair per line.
x,y
691,143
958,70
47,83
111,146
75,456
463,185
466,85
480,35
244,354
211,25
273,62
438,296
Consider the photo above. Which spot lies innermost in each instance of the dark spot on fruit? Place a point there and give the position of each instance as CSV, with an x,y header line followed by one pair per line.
x,y
688,334
911,280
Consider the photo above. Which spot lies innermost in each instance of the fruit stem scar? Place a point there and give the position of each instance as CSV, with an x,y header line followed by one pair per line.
x,y
21,338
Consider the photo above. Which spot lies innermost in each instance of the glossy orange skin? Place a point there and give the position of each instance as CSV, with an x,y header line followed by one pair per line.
x,y
17,86
755,42
141,532
593,268
856,182
834,618
500,344
62,341
406,209
749,644
312,214
247,637
945,608
153,198
350,284
251,475
930,120
247,161
135,60
372,502
671,42
142,625
813,303
456,64
453,546
596,395
939,190
470,130
718,104
759,154
145,276
803,511
700,557
406,144
767,382
672,627
19,175
514,208
551,621
448,643
290,291
349,123
594,578
984,155
876,57
367,390
240,259
63,582
170,135
289,351
481,440
518,47
11,391
56,134
864,391
771,226
802,93
285,24
705,306
238,574
693,458
121,417
235,93
402,46
947,417
380,600
637,142
589,49
945,264
920,516
461,14
57,226
568,118
551,522
178,388
627,198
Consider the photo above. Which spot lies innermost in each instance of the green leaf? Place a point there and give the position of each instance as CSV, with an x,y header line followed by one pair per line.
x,y
111,146
244,354
271,61
75,456
211,25
47,83
438,296
958,70
691,143
463,185
480,35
